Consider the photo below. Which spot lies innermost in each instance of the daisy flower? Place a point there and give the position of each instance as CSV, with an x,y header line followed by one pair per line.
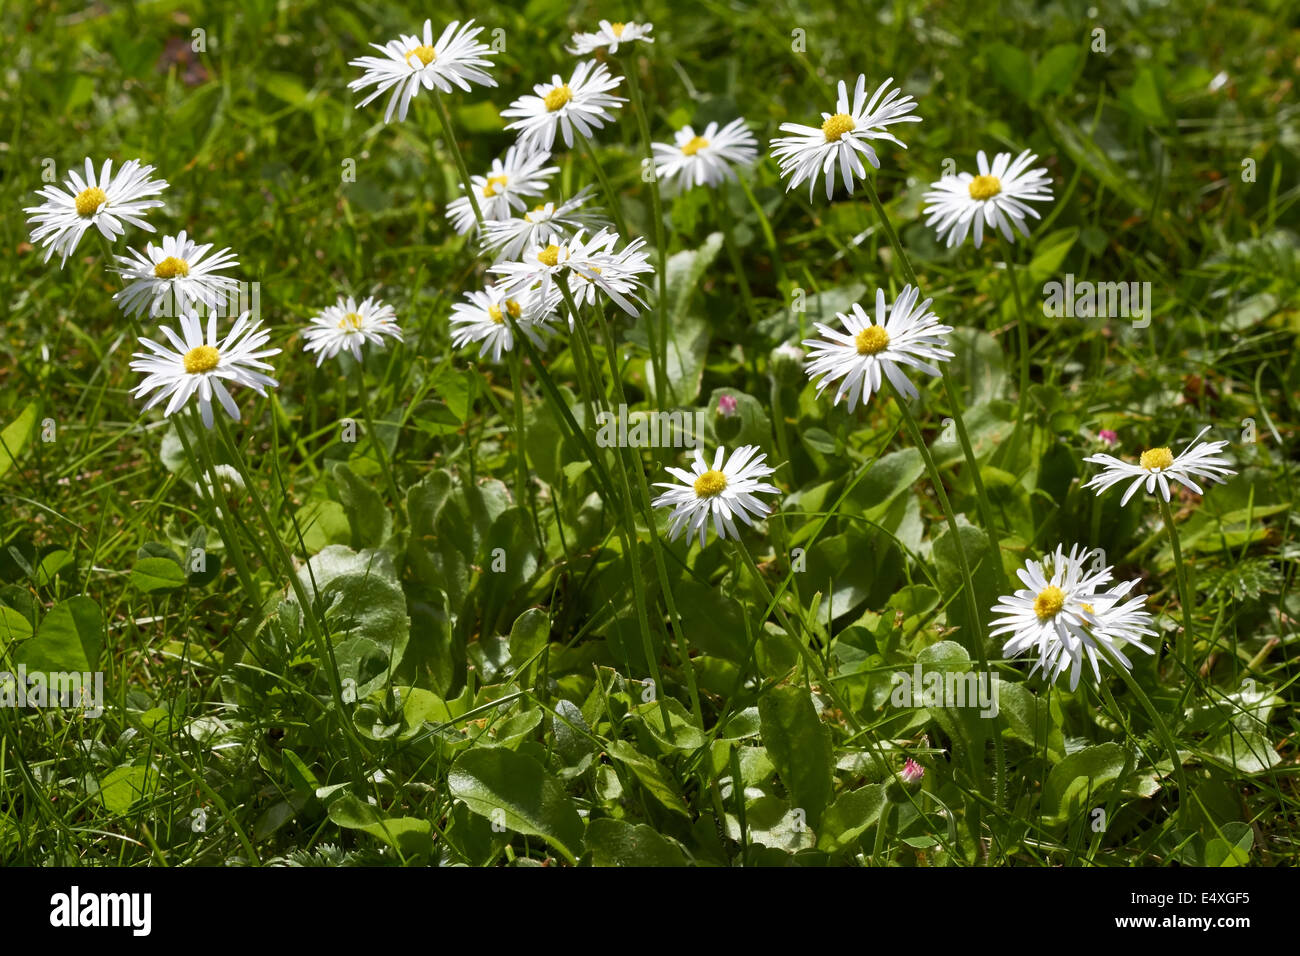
x,y
1067,613
1157,465
202,364
346,325
174,277
725,492
583,104
519,173
410,63
104,201
706,159
813,150
482,318
556,259
906,333
996,197
508,238
610,35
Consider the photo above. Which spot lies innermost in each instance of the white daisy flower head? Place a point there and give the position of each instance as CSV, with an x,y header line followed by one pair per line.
x,y
906,333
199,362
104,201
722,492
583,103
501,191
707,158
844,137
998,197
1157,466
609,36
1069,612
412,63
174,277
484,318
508,238
556,259
347,325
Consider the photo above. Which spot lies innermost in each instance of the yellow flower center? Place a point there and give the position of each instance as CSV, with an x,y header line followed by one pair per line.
x,y
351,322
89,200
1155,459
171,267
549,256
203,358
1089,608
494,185
985,187
425,53
558,97
696,144
1049,602
497,316
711,483
837,126
871,340
617,29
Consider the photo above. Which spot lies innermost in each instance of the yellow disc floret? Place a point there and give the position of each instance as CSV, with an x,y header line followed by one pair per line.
x,y
171,267
696,144
557,97
871,340
549,256
351,322
1156,459
711,483
617,29
425,53
837,126
1049,602
203,358
89,200
984,187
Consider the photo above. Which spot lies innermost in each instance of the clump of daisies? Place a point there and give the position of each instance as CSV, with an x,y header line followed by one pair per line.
x,y
200,363
866,352
104,201
998,197
347,325
1068,613
484,318
411,63
582,103
508,238
174,277
1156,467
706,158
501,191
609,36
717,494
585,265
844,138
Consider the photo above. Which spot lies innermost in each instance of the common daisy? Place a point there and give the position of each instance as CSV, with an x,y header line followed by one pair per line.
x,y
519,173
1157,466
555,259
843,138
724,491
610,35
1067,612
201,363
906,333
410,63
998,196
708,158
104,201
484,318
175,276
583,103
347,325
508,238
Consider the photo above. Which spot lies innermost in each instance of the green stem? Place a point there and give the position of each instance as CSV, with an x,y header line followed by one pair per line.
x,y
521,460
375,442
1184,592
1022,337
733,251
450,133
611,197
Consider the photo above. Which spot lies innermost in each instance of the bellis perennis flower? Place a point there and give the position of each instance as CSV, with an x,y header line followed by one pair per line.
x,y
348,326
585,265
104,201
174,276
707,158
1069,613
609,36
582,104
867,352
1157,466
484,318
508,238
202,364
518,174
998,197
844,137
719,493
412,63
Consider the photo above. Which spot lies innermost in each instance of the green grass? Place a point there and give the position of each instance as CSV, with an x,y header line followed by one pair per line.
x,y
500,644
